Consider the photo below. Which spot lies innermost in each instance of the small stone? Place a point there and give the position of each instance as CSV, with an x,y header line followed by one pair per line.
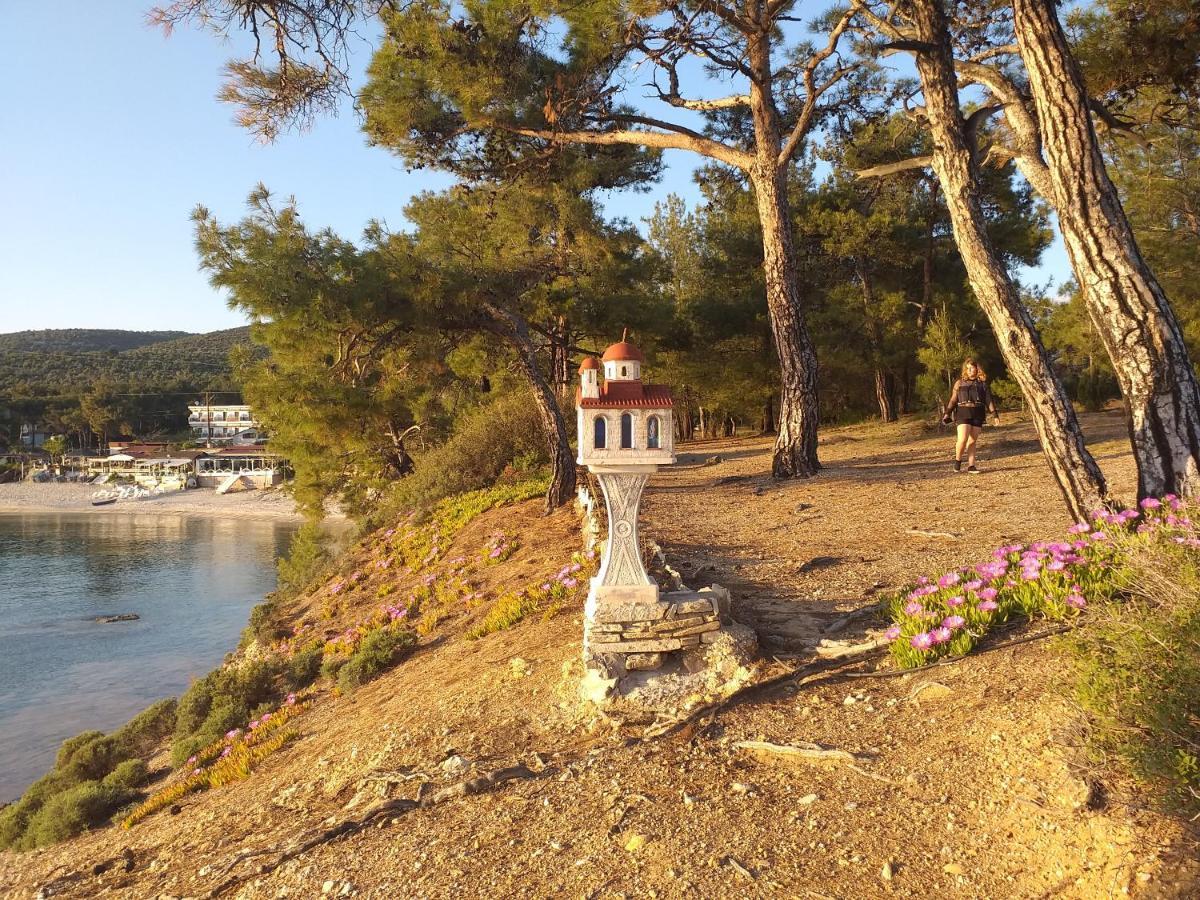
x,y
518,668
929,691
808,799
739,787
635,843
455,765
642,662
327,887
952,869
886,872
850,700
347,889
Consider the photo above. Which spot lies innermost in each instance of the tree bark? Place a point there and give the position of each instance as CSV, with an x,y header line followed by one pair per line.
x,y
562,461
768,415
1078,476
1126,302
795,452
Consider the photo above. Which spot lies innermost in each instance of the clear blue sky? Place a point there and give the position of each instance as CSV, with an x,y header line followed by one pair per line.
x,y
112,134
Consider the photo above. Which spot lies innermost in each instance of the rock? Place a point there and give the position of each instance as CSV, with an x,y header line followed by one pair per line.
x,y
886,872
596,686
175,809
739,787
455,765
928,691
327,887
661,645
953,869
127,860
120,617
641,662
636,842
347,889
808,799
713,460
518,668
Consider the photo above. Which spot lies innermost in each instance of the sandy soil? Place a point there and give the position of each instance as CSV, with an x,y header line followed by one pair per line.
x,y
28,497
969,782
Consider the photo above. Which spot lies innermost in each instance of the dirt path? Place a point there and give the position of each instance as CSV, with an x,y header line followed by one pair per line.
x,y
796,553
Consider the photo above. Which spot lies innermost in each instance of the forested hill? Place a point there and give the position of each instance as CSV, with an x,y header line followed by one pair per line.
x,y
65,362
83,340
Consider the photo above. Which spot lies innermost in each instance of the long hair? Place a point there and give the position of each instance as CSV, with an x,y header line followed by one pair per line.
x,y
980,375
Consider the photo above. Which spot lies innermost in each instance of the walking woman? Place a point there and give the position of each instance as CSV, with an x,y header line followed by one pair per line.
x,y
970,399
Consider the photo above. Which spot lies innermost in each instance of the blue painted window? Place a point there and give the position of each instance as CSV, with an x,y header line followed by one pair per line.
x,y
600,436
626,431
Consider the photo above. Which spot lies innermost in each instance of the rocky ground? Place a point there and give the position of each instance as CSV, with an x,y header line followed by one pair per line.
x,y
961,781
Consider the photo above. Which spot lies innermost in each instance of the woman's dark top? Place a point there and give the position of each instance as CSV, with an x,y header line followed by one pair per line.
x,y
970,401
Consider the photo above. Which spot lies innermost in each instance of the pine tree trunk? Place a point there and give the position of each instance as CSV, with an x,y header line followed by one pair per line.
x,y
768,415
796,445
1125,300
1078,476
883,392
562,460
560,357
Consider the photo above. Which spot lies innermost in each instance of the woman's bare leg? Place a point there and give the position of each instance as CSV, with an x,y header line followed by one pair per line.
x,y
972,439
963,433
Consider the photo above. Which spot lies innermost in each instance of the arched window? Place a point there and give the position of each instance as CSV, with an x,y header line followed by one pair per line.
x,y
624,371
652,433
600,433
626,431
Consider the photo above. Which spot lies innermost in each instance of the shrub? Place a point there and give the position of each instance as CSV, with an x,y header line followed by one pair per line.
x,y
487,441
1137,676
69,813
307,559
143,732
304,668
375,654
219,701
127,776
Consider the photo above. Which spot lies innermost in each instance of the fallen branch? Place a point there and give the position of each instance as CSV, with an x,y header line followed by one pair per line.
x,y
921,532
803,752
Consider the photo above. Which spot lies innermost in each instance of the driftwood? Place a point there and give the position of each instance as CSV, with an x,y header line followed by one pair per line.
x,y
921,532
802,752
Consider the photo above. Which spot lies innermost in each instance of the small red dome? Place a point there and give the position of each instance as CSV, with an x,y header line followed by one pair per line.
x,y
623,351
589,362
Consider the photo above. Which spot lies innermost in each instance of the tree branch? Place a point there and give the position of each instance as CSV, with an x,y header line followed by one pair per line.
x,y
675,138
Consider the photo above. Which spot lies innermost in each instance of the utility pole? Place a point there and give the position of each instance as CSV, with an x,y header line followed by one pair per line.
x,y
208,414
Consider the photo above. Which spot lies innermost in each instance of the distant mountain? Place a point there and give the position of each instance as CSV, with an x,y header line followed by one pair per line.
x,y
84,340
65,362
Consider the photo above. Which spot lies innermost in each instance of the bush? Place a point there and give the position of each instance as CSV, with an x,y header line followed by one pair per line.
x,y
307,559
218,702
127,777
1137,676
488,440
303,668
69,813
143,732
375,654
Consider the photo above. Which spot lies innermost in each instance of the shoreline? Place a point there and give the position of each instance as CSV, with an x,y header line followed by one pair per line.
x,y
32,498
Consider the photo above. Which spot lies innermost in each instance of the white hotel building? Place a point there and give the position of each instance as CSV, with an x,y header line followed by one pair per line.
x,y
224,424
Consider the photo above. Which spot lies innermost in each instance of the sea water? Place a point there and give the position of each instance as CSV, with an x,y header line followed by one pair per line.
x,y
191,581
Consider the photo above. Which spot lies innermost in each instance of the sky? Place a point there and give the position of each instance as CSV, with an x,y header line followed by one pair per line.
x,y
111,134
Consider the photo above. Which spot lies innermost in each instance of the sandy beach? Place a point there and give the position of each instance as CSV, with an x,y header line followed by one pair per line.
x,y
28,497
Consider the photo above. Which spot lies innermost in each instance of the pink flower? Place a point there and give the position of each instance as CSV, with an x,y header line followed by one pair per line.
x,y
230,735
948,580
1099,536
226,752
191,760
570,582
941,635
495,553
974,585
953,622
922,641
1076,601
987,605
913,608
291,699
1056,565
988,594
197,771
955,601
892,632
1079,528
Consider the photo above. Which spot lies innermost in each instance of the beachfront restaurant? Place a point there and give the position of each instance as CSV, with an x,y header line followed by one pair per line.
x,y
257,468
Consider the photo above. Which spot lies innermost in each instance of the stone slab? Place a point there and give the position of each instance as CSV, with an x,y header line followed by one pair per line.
x,y
706,628
663,645
672,624
627,611
704,606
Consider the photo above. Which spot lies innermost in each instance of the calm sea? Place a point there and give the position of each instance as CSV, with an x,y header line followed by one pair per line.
x,y
192,582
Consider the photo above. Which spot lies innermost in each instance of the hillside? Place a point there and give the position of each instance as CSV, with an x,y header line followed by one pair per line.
x,y
64,363
471,768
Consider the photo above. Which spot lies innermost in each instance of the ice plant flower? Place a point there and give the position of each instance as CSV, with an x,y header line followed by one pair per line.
x,y
922,641
987,606
988,594
913,608
955,601
1076,601
948,580
892,632
940,635
973,585
953,622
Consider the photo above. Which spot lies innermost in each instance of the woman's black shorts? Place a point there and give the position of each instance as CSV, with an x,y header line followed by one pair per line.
x,y
968,416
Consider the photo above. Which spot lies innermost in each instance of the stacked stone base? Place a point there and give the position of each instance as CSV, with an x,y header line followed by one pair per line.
x,y
636,635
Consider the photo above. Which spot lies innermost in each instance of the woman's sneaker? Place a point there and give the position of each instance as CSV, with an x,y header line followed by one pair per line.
x,y
958,465
971,470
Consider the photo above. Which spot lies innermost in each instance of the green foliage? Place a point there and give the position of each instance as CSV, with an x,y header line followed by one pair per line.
x,y
377,652
218,702
941,354
1137,676
94,774
303,668
308,557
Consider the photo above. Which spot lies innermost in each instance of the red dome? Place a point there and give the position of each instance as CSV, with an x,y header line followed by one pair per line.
x,y
623,351
589,362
